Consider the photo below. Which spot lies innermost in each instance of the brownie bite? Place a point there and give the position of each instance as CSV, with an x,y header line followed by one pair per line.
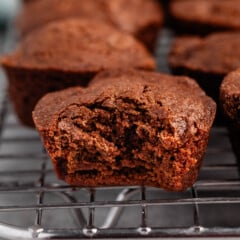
x,y
67,53
205,16
140,18
230,103
127,128
206,59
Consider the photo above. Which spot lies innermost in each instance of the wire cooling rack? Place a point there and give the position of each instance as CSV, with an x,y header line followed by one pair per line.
x,y
34,204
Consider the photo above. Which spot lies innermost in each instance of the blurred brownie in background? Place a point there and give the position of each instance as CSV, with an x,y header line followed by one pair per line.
x,y
141,18
206,59
205,16
67,53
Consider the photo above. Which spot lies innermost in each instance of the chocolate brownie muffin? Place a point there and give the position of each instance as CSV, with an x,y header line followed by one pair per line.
x,y
207,60
205,16
230,103
141,18
127,128
67,53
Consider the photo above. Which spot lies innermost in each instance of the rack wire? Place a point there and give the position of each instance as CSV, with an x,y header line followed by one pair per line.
x,y
34,204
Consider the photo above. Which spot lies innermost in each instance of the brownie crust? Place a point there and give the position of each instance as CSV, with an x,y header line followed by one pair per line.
x,y
128,128
141,18
67,53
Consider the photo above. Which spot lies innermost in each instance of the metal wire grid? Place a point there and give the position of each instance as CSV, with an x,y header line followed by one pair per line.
x,y
35,205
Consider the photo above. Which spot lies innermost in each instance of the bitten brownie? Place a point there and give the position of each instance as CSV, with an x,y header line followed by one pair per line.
x,y
207,59
205,16
67,53
127,128
230,103
141,18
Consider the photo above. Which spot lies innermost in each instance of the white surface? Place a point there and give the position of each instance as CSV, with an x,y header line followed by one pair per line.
x,y
8,8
